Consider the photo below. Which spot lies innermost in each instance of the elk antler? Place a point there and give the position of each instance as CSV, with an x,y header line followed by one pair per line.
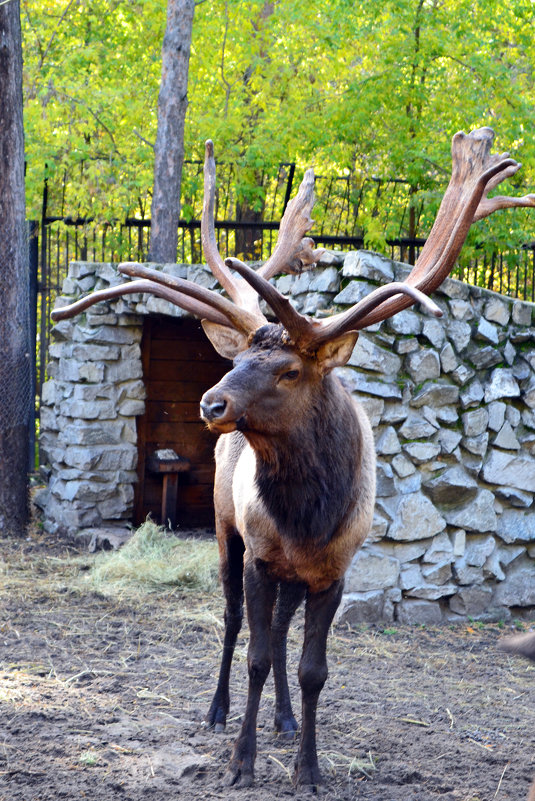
x,y
474,173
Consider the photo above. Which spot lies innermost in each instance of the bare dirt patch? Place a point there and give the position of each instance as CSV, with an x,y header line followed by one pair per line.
x,y
103,698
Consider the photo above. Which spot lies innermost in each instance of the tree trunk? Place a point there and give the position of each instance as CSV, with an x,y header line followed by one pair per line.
x,y
169,149
15,364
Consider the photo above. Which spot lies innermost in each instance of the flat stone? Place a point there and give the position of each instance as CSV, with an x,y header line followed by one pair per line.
x,y
417,427
408,484
496,411
472,395
374,409
388,442
352,293
403,466
471,601
440,550
396,413
458,540
371,570
325,280
423,364
448,359
384,480
482,358
462,374
461,309
404,346
512,415
506,438
475,422
432,592
515,496
476,445
447,414
497,311
448,440
366,264
459,334
436,393
518,587
438,573
406,551
360,383
453,486
410,576
336,257
361,607
502,385
478,549
515,525
513,470
478,515
405,322
415,612
368,355
433,330
421,452
510,353
487,332
522,313
416,518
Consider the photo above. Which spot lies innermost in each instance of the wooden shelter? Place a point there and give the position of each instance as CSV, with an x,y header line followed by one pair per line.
x,y
179,365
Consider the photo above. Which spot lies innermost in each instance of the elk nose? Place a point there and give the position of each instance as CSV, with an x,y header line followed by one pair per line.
x,y
213,410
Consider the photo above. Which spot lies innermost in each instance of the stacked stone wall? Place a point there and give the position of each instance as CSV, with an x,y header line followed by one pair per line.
x,y
452,404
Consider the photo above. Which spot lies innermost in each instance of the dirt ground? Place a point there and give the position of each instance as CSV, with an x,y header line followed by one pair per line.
x,y
104,699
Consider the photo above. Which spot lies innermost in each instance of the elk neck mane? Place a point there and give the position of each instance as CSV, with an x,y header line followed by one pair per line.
x,y
308,479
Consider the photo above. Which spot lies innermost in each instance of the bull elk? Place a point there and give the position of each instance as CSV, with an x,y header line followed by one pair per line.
x,y
295,464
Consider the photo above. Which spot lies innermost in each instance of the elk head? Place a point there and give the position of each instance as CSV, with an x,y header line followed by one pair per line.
x,y
304,346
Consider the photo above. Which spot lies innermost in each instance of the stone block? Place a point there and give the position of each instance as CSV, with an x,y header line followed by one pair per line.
x,y
421,452
371,570
448,359
521,313
397,412
459,334
438,574
471,601
448,440
502,385
388,442
487,332
461,309
433,330
512,470
440,550
424,364
475,422
516,525
483,358
518,587
361,607
350,294
514,496
452,487
415,612
416,518
497,311
406,322
472,395
462,374
403,466
360,383
496,411
366,264
506,438
476,445
325,280
417,427
478,515
374,408
436,393
369,356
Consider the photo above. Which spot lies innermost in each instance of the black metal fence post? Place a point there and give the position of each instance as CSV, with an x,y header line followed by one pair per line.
x,y
33,267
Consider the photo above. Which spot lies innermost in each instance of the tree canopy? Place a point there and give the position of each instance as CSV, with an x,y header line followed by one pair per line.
x,y
368,89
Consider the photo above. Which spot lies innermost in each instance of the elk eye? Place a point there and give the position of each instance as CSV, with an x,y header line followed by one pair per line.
x,y
291,375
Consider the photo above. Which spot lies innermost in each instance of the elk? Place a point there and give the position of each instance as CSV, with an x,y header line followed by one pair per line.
x,y
295,470
522,645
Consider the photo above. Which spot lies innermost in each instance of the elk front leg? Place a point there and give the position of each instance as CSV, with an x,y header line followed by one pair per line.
x,y
319,613
231,570
288,599
260,593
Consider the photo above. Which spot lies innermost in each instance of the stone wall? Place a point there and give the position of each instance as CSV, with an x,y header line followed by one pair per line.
x,y
452,403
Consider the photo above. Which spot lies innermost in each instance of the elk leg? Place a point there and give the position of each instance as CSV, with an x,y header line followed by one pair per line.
x,y
231,570
288,599
260,592
319,613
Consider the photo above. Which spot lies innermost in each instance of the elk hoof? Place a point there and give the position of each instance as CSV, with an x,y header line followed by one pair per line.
x,y
238,776
216,719
286,728
308,777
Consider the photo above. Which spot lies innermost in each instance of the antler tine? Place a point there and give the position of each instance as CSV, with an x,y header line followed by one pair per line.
x,y
241,319
293,252
239,292
296,324
134,287
473,169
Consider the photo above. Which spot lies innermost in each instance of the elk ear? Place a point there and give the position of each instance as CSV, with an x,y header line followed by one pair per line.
x,y
336,352
227,341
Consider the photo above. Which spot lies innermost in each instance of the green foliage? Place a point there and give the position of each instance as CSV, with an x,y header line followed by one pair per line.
x,y
377,89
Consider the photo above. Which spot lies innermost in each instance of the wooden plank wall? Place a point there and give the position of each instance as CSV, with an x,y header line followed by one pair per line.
x,y
179,365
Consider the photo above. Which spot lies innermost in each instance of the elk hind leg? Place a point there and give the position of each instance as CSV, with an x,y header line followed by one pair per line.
x,y
288,599
319,612
260,592
231,571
